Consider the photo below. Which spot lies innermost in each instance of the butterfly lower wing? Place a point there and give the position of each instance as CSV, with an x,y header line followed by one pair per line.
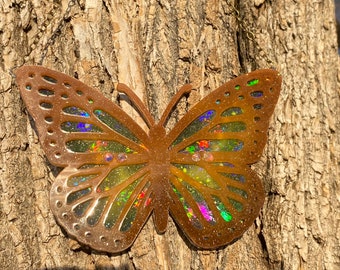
x,y
104,214
102,197
212,217
216,196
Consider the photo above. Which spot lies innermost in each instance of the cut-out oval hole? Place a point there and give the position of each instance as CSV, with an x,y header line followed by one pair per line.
x,y
49,119
46,92
117,242
256,94
257,106
46,105
253,82
50,79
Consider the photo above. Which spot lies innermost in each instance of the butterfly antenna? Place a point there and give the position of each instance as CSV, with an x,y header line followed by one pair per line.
x,y
121,87
183,90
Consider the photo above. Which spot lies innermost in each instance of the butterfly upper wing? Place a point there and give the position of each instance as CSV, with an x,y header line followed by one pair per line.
x,y
215,194
103,196
67,111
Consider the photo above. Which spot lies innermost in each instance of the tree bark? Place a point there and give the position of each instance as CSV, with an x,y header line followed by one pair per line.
x,y
155,47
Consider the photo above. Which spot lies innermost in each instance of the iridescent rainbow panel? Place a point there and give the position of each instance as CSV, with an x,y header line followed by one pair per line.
x,y
72,110
76,195
236,204
198,174
79,179
72,126
131,215
195,126
117,176
237,126
119,203
88,146
188,210
97,211
238,191
225,214
224,145
80,209
115,125
232,111
234,176
201,203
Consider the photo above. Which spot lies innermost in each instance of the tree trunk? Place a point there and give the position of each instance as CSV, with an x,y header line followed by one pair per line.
x,y
155,47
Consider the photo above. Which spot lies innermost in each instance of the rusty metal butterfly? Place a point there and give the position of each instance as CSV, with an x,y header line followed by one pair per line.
x,y
116,174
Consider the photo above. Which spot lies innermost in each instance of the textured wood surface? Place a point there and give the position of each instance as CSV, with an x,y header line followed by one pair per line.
x,y
155,47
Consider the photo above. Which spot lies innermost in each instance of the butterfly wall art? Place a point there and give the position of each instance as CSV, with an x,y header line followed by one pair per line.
x,y
117,174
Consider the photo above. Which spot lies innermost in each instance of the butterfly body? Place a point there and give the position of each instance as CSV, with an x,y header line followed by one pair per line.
x,y
116,174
